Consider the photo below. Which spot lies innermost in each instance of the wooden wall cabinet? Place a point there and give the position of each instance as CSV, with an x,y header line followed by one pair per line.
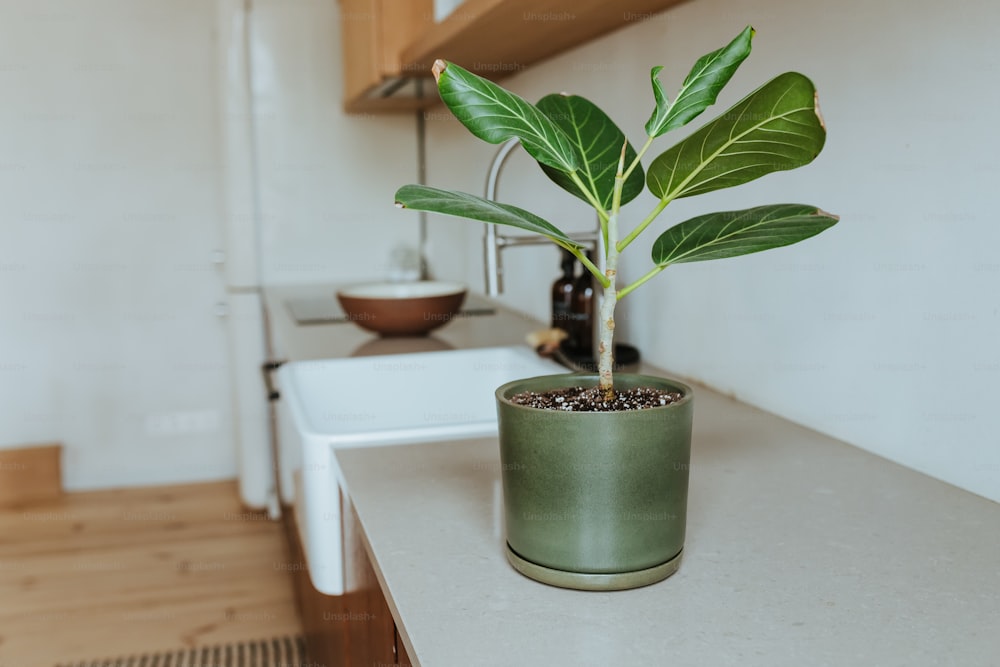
x,y
389,45
373,35
351,630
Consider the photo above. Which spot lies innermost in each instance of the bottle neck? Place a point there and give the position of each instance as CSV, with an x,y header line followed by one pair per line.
x,y
568,265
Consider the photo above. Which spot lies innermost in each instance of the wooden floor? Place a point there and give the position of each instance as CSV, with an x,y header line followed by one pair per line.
x,y
114,573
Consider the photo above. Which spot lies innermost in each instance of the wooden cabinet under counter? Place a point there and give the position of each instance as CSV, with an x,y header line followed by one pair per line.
x,y
390,45
356,629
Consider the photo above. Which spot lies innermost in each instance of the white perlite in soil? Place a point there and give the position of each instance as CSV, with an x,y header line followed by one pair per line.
x,y
591,399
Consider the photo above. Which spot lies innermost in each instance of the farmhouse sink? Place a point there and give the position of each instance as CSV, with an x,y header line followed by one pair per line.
x,y
401,398
372,401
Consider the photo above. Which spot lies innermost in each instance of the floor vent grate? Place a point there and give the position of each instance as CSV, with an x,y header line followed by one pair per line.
x,y
278,652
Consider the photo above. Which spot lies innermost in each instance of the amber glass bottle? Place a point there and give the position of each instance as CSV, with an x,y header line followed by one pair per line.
x,y
562,292
581,331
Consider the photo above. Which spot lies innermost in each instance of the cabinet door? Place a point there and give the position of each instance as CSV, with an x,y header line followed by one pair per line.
x,y
374,33
322,616
371,630
351,630
402,659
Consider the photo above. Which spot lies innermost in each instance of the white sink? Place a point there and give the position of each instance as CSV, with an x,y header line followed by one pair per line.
x,y
379,400
395,399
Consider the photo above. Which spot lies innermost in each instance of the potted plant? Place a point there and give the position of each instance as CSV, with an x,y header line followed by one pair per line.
x,y
595,468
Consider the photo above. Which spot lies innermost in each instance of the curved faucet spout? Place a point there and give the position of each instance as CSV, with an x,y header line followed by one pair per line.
x,y
491,247
496,166
493,241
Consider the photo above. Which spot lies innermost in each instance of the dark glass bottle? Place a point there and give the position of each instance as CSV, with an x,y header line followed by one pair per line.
x,y
562,292
581,332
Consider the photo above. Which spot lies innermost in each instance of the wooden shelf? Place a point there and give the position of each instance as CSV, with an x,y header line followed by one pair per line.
x,y
493,38
373,33
496,38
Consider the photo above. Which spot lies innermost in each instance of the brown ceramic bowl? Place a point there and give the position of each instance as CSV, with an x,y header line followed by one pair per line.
x,y
402,309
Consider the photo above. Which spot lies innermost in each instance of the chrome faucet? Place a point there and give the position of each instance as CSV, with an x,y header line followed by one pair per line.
x,y
494,242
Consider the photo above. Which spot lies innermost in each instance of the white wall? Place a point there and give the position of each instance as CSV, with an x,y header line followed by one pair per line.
x,y
115,163
882,331
110,211
327,178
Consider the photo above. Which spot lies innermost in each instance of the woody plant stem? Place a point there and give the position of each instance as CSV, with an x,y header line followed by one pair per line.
x,y
606,346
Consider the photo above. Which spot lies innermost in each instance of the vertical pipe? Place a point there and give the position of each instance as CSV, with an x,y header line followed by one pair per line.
x,y
422,180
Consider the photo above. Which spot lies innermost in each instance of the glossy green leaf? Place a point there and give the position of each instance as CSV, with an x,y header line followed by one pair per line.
x,y
657,121
776,127
463,205
701,88
495,115
599,142
734,233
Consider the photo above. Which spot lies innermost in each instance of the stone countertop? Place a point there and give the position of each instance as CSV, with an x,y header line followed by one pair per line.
x,y
801,550
294,341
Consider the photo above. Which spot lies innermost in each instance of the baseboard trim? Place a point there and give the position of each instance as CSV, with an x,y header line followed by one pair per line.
x,y
32,473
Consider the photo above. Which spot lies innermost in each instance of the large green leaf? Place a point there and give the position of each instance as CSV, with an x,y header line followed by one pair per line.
x,y
495,115
733,233
701,87
463,205
776,127
598,141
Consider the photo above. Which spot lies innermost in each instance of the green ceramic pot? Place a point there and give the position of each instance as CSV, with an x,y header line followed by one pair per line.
x,y
595,500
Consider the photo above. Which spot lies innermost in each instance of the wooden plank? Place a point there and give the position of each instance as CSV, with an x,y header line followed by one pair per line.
x,y
402,657
384,40
356,628
372,630
30,474
378,105
121,572
359,39
323,616
495,38
373,33
402,23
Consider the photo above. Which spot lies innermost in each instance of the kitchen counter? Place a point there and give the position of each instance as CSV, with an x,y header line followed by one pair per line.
x,y
801,550
294,341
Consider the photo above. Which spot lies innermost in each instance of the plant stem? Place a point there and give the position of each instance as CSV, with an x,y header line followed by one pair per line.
x,y
679,188
605,362
656,211
606,347
645,223
591,197
638,158
652,272
587,264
